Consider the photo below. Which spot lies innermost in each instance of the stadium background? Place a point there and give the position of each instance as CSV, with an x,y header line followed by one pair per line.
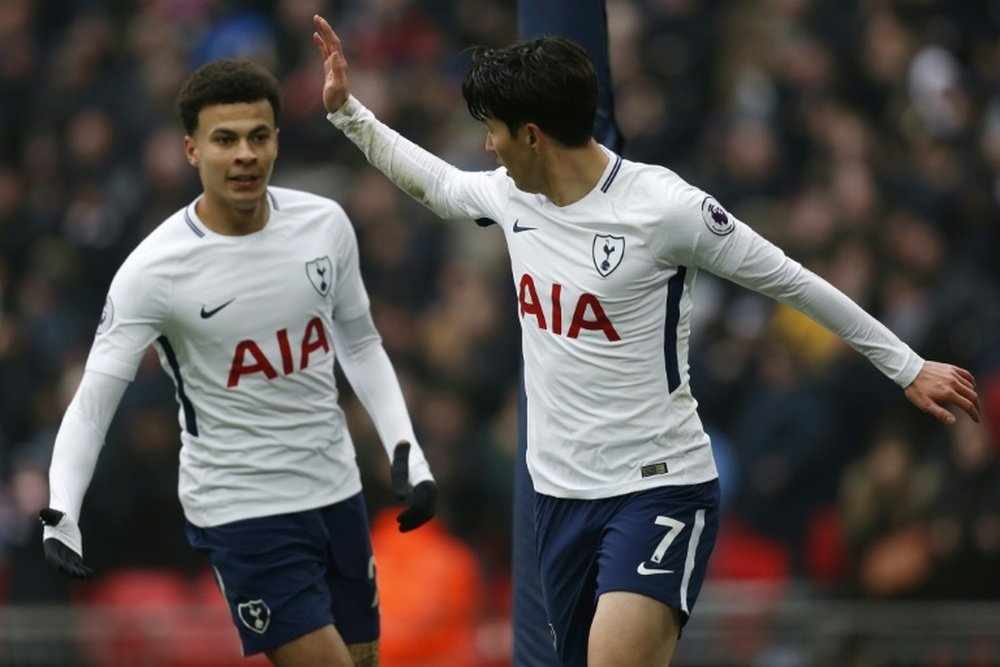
x,y
863,136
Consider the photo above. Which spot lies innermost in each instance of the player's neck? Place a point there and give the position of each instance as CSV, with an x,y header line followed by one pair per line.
x,y
572,173
228,220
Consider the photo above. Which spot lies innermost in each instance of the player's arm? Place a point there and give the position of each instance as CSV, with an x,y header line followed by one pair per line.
x,y
447,191
367,367
732,250
929,385
78,443
129,323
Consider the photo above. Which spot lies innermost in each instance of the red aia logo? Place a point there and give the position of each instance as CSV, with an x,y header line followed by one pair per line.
x,y
249,359
587,314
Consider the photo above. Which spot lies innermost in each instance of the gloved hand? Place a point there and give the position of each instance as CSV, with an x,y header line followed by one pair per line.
x,y
60,532
421,499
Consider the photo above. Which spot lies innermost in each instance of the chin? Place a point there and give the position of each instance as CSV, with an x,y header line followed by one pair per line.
x,y
256,193
246,201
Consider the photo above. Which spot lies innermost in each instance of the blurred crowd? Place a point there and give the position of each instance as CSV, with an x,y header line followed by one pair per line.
x,y
862,136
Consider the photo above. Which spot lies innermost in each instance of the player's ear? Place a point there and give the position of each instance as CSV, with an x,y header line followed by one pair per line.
x,y
191,150
533,135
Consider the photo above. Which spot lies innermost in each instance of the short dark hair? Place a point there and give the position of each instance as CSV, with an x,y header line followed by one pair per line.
x,y
225,81
548,81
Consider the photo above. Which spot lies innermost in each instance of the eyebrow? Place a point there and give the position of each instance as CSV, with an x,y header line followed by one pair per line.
x,y
254,130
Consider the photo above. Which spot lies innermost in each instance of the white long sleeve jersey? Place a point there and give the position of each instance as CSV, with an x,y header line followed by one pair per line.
x,y
604,292
247,326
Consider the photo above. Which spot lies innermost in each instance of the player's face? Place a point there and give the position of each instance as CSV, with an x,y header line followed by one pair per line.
x,y
234,148
514,152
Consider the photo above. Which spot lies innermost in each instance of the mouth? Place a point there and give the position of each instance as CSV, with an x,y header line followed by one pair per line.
x,y
244,181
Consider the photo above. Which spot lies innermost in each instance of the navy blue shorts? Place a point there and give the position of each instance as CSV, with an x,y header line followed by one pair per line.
x,y
284,576
655,543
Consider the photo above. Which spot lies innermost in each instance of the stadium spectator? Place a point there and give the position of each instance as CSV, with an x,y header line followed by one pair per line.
x,y
831,80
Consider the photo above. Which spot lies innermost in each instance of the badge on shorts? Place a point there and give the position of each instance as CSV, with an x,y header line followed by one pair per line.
x,y
255,615
716,217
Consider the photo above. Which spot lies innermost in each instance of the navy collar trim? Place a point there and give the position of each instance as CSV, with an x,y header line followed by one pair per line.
x,y
611,176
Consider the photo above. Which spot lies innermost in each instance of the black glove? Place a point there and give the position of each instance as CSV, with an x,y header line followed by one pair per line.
x,y
421,499
60,556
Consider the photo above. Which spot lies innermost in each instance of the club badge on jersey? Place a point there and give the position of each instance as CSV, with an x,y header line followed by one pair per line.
x,y
320,272
607,252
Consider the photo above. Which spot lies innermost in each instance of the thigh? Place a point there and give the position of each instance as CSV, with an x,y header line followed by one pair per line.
x,y
632,630
568,534
658,544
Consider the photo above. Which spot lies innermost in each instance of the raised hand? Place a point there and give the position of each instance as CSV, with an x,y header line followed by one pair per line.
x,y
335,88
940,384
421,499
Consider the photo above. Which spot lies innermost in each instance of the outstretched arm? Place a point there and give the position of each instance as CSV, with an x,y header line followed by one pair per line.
x,y
929,385
449,192
731,249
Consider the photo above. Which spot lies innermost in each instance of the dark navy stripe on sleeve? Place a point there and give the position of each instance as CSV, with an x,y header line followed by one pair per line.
x,y
675,287
190,422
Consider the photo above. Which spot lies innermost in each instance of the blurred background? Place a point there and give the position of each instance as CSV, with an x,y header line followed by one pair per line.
x,y
862,136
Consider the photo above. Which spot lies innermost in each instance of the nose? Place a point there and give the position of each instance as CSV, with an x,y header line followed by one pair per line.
x,y
245,152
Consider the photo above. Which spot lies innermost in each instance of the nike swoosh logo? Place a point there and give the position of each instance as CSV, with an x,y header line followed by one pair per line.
x,y
642,569
518,229
205,314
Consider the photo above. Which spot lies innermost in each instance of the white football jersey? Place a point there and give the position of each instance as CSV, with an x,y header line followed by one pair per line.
x,y
243,326
604,300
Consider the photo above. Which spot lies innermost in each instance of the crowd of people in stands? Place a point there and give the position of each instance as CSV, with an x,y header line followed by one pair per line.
x,y
862,136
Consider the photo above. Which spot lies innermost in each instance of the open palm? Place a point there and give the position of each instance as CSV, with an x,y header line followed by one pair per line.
x,y
335,89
